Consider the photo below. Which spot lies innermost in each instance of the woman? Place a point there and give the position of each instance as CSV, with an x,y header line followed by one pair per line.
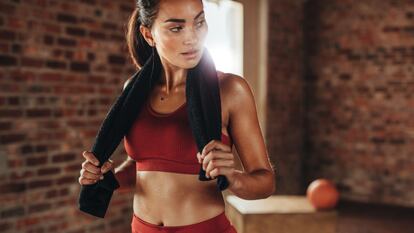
x,y
169,197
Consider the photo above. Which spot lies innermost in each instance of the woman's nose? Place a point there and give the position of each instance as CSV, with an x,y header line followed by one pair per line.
x,y
191,37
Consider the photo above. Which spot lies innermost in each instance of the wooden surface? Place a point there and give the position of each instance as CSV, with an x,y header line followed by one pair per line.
x,y
279,214
274,204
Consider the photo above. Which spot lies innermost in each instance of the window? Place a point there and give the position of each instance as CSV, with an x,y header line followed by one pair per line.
x,y
225,36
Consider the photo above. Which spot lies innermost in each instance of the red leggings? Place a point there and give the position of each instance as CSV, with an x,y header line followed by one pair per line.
x,y
217,224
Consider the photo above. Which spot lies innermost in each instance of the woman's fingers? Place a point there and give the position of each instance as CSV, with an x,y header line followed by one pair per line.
x,y
218,164
91,168
89,175
90,172
215,145
216,161
225,171
86,181
215,154
108,165
91,158
199,157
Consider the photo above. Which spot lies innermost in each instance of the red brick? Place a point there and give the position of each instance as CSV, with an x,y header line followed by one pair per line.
x,y
6,60
35,161
11,138
39,183
66,42
5,226
80,66
51,27
7,8
13,113
75,31
97,35
38,112
21,176
14,187
56,64
48,171
31,62
16,23
115,59
7,35
4,47
65,157
4,126
67,18
49,39
66,180
39,207
12,212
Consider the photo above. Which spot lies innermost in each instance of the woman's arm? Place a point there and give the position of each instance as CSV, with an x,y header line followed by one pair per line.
x,y
126,175
258,178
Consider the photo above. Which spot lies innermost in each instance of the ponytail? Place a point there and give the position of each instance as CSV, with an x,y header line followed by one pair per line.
x,y
144,13
138,47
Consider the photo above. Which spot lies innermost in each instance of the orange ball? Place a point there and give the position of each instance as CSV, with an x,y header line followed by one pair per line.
x,y
322,194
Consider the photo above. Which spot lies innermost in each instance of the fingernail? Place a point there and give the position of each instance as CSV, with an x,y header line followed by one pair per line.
x,y
101,177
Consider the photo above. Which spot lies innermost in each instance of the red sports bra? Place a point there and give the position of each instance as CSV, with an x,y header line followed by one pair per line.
x,y
164,142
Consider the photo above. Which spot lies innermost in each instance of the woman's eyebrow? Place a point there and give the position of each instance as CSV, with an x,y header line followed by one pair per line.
x,y
183,20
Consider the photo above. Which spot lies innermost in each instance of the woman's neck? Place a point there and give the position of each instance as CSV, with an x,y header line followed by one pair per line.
x,y
172,77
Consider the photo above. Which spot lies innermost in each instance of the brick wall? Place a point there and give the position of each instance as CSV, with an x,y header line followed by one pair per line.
x,y
61,65
284,119
359,76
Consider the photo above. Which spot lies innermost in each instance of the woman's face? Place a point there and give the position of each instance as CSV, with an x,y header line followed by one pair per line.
x,y
178,30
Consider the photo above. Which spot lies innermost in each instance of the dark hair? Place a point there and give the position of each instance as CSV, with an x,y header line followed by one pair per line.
x,y
144,13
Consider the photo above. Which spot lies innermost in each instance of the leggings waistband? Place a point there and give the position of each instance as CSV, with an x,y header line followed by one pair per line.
x,y
217,224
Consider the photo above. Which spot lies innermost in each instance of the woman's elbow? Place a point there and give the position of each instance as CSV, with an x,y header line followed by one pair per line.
x,y
270,186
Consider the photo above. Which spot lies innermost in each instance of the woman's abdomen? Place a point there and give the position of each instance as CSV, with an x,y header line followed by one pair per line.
x,y
175,199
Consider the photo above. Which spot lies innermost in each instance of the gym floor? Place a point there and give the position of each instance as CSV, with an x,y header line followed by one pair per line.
x,y
355,217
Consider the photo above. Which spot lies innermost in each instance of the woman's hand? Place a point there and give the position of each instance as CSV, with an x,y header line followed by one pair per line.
x,y
90,172
217,159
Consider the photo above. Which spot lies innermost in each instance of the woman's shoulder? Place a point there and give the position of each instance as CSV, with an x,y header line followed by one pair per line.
x,y
228,78
234,89
232,83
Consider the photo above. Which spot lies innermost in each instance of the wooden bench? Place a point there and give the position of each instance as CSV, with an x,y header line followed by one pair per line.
x,y
279,214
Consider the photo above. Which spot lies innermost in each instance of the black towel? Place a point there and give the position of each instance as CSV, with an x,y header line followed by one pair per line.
x,y
204,112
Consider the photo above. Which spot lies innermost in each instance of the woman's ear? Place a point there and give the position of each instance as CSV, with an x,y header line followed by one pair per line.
x,y
146,33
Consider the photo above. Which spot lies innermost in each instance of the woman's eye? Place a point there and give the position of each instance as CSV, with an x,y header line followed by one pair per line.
x,y
201,23
175,29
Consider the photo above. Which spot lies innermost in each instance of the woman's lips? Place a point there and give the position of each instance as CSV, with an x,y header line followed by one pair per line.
x,y
191,54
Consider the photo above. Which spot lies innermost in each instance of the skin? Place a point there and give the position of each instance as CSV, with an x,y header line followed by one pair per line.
x,y
174,199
